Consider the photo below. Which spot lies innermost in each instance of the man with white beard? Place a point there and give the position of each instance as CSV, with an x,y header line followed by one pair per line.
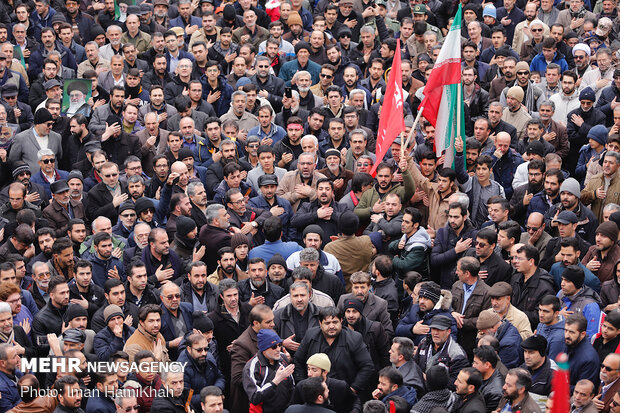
x,y
336,173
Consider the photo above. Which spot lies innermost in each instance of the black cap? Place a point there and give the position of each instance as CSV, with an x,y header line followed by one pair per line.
x,y
201,322
567,217
536,148
185,152
127,205
75,311
74,335
538,343
267,179
574,274
92,146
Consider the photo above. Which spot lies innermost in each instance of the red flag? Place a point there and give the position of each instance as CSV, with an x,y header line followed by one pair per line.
x,y
560,386
392,119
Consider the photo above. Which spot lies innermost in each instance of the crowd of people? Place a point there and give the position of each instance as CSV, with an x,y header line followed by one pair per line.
x,y
197,181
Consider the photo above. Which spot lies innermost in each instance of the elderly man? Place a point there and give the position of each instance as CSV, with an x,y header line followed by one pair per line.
x,y
27,144
501,294
62,208
300,185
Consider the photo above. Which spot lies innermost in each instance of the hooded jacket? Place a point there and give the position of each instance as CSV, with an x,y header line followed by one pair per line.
x,y
442,307
414,257
587,302
197,376
443,254
555,337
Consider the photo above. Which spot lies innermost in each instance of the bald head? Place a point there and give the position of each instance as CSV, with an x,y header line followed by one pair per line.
x,y
178,167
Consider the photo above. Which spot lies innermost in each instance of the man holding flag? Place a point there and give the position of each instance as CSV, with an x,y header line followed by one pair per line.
x,y
391,125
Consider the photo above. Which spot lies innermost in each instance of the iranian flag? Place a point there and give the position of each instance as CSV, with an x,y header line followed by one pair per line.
x,y
392,118
443,102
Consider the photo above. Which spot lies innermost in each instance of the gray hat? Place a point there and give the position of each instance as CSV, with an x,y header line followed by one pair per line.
x,y
134,10
74,335
332,152
92,146
441,322
51,83
567,217
571,185
500,289
112,311
267,179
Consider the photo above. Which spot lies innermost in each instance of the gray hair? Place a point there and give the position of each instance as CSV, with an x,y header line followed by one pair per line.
x,y
3,351
359,131
192,188
98,220
239,93
123,394
295,94
476,22
6,308
357,92
227,142
616,155
462,199
227,284
37,265
430,33
262,58
92,43
150,114
611,207
22,26
537,22
314,139
405,347
45,152
112,28
296,284
496,104
547,103
309,255
367,29
302,73
213,212
135,179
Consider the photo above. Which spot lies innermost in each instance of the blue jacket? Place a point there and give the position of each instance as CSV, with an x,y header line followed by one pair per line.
x,y
10,395
22,87
584,362
182,55
539,63
291,67
106,343
604,102
555,337
405,325
509,344
585,154
277,133
28,301
406,392
539,203
100,404
101,268
167,326
587,302
504,169
289,233
178,22
222,105
269,249
41,180
201,172
591,280
197,377
40,23
38,56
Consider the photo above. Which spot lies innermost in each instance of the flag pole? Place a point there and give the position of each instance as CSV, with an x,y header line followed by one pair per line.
x,y
411,132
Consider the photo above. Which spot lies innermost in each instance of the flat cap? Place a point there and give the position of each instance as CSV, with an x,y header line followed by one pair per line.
x,y
500,289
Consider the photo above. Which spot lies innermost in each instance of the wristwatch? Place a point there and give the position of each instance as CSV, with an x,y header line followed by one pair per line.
x,y
254,224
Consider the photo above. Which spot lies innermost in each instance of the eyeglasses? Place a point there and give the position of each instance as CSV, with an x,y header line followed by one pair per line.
x,y
323,75
149,211
202,349
481,244
523,72
17,300
110,175
237,202
128,215
263,66
48,161
132,408
578,57
173,296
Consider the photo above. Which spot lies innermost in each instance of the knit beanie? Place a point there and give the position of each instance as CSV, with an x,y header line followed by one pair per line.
x,y
267,338
42,116
294,18
229,12
587,94
572,186
574,274
522,66
599,134
355,304
515,92
437,378
238,239
112,311
430,290
276,259
201,322
142,204
608,229
74,311
185,225
314,229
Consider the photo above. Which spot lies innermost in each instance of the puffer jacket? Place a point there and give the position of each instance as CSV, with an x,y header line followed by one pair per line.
x,y
509,344
443,307
414,257
587,302
527,295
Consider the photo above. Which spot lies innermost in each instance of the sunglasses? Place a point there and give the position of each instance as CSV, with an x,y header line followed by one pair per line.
x,y
48,161
110,175
128,215
276,346
579,57
172,296
523,73
323,75
607,368
536,30
202,349
149,211
532,229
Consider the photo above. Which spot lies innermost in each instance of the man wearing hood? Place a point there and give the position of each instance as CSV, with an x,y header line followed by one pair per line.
x,y
431,301
375,336
578,298
411,250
